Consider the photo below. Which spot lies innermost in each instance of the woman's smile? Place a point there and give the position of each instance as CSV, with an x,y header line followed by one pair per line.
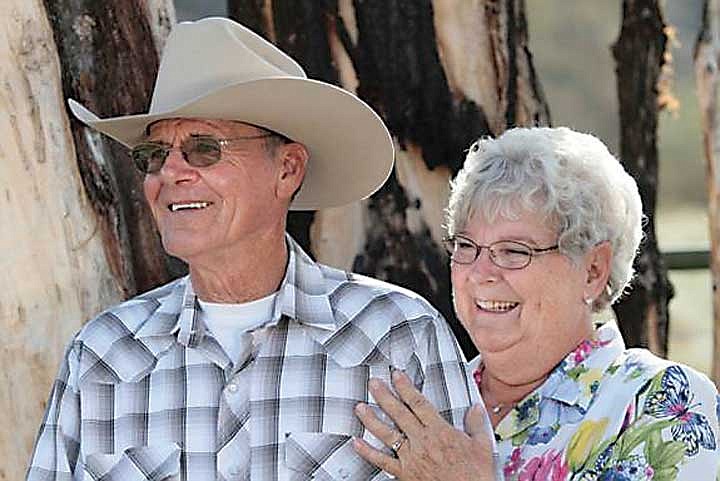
x,y
495,306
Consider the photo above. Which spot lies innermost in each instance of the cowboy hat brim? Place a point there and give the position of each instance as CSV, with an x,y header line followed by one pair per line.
x,y
351,151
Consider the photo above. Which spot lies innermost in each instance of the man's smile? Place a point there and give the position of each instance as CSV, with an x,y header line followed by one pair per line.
x,y
191,205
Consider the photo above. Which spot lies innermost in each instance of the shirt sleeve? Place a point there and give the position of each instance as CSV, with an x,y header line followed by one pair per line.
x,y
673,434
57,445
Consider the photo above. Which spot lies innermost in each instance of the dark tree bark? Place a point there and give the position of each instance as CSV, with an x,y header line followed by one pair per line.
x,y
108,62
76,237
640,56
389,52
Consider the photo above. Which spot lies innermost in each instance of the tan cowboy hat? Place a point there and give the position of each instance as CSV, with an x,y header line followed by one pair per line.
x,y
217,69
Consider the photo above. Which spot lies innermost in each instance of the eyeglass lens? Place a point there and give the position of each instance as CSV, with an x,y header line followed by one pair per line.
x,y
506,254
198,151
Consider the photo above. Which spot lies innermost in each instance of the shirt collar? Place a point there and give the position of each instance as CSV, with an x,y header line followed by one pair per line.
x,y
303,293
571,385
302,296
159,318
574,379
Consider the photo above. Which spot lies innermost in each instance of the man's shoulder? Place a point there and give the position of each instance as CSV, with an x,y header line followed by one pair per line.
x,y
380,321
349,289
129,316
123,342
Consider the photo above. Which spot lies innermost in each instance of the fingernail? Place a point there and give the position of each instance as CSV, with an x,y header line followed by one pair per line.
x,y
398,374
360,407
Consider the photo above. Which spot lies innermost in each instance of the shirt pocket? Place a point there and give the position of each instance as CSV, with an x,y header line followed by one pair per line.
x,y
159,463
326,457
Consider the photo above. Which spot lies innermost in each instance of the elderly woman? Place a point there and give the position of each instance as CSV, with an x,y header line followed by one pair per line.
x,y
543,226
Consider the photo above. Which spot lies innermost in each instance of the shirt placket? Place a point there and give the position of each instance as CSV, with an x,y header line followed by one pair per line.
x,y
233,424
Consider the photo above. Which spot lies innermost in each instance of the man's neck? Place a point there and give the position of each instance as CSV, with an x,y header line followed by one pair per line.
x,y
244,273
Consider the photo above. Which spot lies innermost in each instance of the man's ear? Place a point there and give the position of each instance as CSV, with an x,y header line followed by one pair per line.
x,y
292,161
597,265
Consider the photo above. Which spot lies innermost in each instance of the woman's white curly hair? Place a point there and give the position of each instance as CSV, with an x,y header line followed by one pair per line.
x,y
568,178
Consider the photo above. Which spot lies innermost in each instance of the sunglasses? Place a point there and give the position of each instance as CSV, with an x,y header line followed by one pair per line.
x,y
197,150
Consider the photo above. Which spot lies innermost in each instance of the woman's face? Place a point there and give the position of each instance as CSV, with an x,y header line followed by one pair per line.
x,y
523,321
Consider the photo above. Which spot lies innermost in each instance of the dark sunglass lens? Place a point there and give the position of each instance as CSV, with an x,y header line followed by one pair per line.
x,y
202,151
148,158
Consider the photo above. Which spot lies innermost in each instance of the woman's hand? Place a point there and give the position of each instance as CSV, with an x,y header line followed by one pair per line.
x,y
427,448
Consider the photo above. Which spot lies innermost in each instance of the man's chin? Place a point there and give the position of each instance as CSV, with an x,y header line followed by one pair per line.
x,y
182,250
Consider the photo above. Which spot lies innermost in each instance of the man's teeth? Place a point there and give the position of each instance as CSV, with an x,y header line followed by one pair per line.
x,y
496,306
188,205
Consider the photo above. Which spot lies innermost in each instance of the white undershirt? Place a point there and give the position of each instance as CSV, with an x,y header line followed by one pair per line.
x,y
228,322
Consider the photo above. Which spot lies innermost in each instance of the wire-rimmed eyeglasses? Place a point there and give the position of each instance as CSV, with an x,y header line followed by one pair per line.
x,y
506,254
197,150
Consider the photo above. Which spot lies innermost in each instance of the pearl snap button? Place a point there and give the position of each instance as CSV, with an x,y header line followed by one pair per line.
x,y
232,387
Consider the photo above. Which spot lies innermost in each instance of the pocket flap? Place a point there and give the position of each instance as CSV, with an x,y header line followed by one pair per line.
x,y
136,463
325,457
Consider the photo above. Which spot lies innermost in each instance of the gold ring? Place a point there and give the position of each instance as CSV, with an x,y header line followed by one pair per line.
x,y
398,443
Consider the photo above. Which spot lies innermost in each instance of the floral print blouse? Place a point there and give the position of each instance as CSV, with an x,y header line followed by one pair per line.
x,y
609,413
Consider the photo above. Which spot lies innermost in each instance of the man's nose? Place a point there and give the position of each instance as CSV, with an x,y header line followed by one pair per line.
x,y
175,167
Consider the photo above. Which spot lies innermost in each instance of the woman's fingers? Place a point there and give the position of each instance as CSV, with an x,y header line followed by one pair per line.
x,y
477,423
401,415
421,408
378,458
372,423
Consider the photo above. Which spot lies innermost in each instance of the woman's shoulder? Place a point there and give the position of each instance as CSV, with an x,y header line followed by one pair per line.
x,y
656,416
683,396
652,383
656,372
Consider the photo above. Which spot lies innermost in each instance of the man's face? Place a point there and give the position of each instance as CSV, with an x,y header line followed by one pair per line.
x,y
206,213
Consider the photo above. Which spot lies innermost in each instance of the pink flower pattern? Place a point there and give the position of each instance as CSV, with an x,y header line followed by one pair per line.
x,y
550,466
512,466
585,348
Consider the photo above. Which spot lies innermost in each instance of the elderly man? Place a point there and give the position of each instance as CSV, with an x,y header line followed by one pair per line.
x,y
250,367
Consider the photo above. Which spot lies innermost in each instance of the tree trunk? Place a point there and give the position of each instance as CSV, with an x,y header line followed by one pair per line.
x,y
640,56
69,225
108,61
441,73
707,63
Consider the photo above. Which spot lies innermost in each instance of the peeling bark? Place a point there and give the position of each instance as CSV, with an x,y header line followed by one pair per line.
x,y
707,63
108,62
69,227
640,56
441,73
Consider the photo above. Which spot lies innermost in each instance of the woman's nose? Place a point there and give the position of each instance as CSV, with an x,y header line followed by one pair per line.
x,y
483,268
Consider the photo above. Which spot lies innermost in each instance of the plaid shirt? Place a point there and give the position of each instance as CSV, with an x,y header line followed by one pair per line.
x,y
146,392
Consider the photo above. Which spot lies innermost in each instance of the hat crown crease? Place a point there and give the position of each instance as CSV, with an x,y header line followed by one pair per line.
x,y
214,55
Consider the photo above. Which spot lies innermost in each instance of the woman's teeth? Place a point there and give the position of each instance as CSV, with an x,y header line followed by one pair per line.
x,y
496,306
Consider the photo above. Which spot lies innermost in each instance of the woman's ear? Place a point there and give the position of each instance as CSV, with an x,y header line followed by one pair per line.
x,y
598,262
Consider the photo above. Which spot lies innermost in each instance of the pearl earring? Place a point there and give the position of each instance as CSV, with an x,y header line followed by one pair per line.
x,y
588,301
